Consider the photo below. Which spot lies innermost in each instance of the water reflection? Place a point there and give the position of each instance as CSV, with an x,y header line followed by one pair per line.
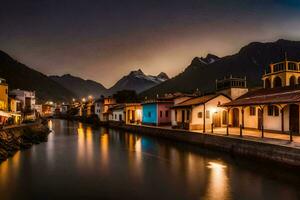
x,y
81,162
104,149
218,186
85,150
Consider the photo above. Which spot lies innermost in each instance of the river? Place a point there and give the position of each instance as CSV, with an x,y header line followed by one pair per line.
x,y
81,162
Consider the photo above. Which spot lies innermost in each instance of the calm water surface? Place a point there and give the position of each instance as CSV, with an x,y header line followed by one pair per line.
x,y
79,162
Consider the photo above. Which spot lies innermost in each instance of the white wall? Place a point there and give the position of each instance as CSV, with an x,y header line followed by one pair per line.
x,y
212,107
115,115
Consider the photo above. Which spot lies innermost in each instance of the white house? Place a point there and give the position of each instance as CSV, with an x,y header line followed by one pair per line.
x,y
117,113
200,113
27,98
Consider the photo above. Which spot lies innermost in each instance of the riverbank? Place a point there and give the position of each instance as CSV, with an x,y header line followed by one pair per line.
x,y
251,148
20,137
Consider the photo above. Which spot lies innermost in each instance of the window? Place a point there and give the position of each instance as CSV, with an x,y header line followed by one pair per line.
x,y
199,114
207,114
273,111
252,111
175,114
160,113
167,113
292,66
279,67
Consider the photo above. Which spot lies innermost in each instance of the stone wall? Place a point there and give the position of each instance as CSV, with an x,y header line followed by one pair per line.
x,y
16,138
234,145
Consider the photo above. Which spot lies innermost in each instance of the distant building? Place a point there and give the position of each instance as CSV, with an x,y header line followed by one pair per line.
x,y
133,113
27,99
157,112
117,113
3,95
98,105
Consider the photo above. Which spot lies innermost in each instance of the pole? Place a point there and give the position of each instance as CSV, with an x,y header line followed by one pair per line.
x,y
291,136
241,130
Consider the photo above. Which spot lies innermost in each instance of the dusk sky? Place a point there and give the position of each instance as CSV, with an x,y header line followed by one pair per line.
x,y
104,40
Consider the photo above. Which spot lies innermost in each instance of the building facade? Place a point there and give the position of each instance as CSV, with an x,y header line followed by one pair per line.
x,y
201,113
275,107
157,113
133,113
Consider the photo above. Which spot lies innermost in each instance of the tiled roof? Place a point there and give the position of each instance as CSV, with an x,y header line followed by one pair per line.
x,y
196,100
263,96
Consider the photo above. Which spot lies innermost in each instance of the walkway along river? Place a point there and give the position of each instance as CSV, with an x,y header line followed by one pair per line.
x,y
80,162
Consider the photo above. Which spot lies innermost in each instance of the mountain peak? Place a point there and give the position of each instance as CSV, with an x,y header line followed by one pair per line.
x,y
210,58
163,76
137,73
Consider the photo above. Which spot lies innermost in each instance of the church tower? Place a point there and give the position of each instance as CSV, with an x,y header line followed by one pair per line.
x,y
281,74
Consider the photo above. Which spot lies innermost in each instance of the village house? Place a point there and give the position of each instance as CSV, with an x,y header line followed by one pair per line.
x,y
3,102
27,99
117,113
157,112
133,113
15,109
274,107
98,103
200,113
108,102
203,112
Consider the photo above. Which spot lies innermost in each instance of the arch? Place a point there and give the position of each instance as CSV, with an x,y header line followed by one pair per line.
x,y
277,82
292,80
267,83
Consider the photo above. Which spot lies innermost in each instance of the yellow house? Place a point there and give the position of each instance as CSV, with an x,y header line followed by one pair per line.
x,y
133,113
3,95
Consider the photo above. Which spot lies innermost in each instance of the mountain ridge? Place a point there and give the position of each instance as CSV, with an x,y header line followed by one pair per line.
x,y
249,61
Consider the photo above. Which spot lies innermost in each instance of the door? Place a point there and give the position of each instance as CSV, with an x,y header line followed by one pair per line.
x,y
294,118
235,117
217,119
182,116
133,115
260,119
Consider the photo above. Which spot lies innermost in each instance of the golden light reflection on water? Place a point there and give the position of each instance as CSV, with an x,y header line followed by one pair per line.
x,y
104,149
85,145
9,168
218,185
50,124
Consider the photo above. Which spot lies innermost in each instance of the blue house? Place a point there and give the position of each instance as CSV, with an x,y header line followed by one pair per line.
x,y
157,112
149,113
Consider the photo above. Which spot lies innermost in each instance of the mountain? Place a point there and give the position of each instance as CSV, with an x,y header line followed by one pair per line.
x,y
79,86
19,76
138,81
250,61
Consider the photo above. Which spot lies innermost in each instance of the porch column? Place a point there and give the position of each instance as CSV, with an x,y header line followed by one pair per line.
x,y
282,120
204,118
262,121
227,122
242,117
